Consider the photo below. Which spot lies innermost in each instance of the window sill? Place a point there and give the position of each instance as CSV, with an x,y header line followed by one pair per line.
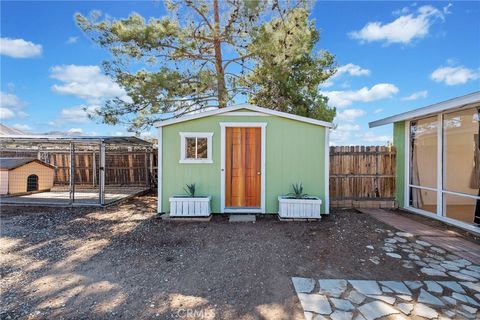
x,y
195,161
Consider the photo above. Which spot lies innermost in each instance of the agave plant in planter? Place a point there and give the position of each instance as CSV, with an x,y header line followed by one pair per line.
x,y
299,204
190,205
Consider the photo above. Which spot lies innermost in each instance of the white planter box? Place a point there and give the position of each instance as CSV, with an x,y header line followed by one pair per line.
x,y
299,208
190,207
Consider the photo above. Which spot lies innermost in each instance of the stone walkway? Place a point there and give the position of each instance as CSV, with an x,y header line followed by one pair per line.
x,y
339,299
446,239
453,292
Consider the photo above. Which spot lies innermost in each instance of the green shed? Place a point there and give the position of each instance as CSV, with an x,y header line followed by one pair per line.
x,y
243,158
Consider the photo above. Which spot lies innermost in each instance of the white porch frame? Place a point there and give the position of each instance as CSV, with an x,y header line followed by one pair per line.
x,y
440,212
263,126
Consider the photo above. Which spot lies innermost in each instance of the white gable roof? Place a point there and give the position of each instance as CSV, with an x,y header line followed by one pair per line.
x,y
454,103
243,106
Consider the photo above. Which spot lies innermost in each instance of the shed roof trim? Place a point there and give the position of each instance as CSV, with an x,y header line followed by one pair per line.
x,y
457,102
243,106
13,163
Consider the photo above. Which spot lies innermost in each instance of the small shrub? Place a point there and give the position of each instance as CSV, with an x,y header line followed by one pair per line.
x,y
298,191
190,190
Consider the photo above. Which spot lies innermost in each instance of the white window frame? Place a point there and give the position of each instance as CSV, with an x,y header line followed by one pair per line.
x,y
183,151
441,212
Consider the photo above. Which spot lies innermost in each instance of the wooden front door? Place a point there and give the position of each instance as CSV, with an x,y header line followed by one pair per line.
x,y
243,167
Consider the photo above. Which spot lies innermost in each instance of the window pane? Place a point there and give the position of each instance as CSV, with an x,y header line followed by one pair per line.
x,y
423,199
462,151
202,148
423,152
461,208
190,148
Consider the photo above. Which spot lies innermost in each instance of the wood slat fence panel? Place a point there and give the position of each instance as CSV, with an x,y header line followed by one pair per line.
x,y
362,173
122,168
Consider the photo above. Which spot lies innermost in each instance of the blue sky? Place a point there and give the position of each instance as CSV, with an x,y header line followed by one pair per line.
x,y
392,57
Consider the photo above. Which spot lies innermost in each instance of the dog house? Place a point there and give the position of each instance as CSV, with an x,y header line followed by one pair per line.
x,y
25,175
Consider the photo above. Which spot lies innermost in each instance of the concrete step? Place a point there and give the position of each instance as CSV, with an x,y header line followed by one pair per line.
x,y
242,218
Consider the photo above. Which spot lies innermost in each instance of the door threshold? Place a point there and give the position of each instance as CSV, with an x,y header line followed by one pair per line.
x,y
242,210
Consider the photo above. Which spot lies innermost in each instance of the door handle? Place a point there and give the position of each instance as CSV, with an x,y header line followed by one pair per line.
x,y
258,173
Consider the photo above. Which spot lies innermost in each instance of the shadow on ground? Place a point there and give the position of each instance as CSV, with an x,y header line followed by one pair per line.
x,y
124,263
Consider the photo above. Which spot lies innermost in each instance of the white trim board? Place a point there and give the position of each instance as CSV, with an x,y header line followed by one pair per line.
x,y
327,171
443,106
243,114
223,126
247,106
160,171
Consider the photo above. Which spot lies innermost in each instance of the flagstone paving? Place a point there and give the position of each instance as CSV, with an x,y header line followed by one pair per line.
x,y
421,299
451,289
433,261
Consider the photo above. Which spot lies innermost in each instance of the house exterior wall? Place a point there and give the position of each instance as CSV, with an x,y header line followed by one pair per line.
x,y
399,143
17,178
3,181
295,152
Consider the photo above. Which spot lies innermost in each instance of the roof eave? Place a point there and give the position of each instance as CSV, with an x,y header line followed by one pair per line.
x,y
243,106
457,102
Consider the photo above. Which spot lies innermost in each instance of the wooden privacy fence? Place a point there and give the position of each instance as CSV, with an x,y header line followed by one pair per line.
x,y
362,176
122,168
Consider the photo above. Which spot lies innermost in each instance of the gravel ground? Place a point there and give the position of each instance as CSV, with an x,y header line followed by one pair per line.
x,y
125,263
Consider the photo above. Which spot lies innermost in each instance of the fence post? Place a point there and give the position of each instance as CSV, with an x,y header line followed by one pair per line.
x,y
94,169
101,188
72,173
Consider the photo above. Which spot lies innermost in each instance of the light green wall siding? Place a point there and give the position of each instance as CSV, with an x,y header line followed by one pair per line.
x,y
295,152
399,143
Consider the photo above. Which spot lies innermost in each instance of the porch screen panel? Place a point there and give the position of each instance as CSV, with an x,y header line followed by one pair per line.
x,y
423,152
461,170
462,153
423,199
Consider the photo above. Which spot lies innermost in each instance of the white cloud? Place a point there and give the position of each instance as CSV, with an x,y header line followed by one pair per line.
x,y
404,29
345,98
6,113
72,132
71,40
454,75
22,127
9,100
86,82
351,134
350,115
399,12
78,131
350,69
19,48
373,138
77,114
11,106
416,95
348,127
377,111
353,70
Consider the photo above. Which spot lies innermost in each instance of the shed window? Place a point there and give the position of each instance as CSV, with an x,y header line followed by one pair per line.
x,y
196,147
32,183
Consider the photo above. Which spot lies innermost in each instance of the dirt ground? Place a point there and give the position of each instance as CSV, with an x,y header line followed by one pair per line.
x,y
126,263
